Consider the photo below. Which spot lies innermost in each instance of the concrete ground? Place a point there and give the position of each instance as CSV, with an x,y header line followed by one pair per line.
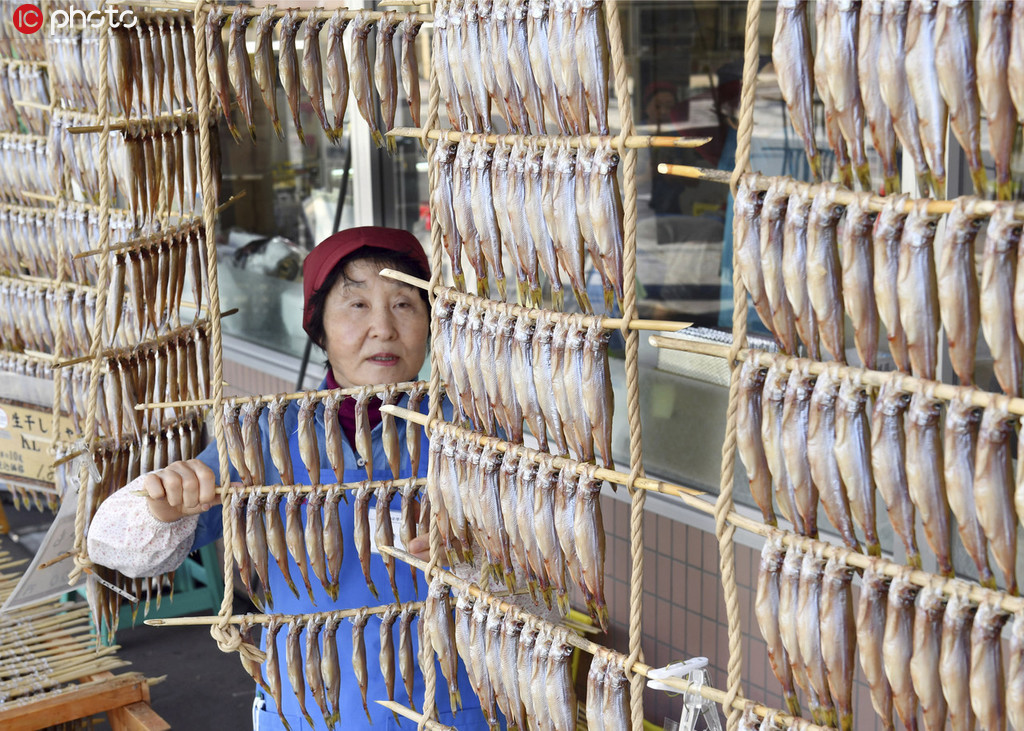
x,y
205,688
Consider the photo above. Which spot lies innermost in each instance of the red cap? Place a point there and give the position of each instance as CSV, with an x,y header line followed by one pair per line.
x,y
320,262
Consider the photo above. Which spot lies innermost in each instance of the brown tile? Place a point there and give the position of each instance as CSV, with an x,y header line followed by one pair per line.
x,y
679,533
758,663
678,629
663,566
618,550
666,530
710,552
650,532
663,620
693,588
708,638
747,619
709,596
742,556
679,583
648,614
692,647
694,541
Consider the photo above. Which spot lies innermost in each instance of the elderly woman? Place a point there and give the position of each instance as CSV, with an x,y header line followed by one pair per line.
x,y
373,330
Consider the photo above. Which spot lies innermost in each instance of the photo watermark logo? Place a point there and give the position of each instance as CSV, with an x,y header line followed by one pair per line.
x,y
29,18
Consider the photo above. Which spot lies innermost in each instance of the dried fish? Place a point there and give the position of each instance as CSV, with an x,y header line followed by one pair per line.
x,y
239,67
263,67
385,73
746,238
955,662
773,216
987,684
361,533
955,50
334,437
256,544
359,656
288,66
791,56
838,638
1015,682
409,29
333,540
337,71
597,392
789,621
483,212
870,621
917,291
887,237
876,113
748,436
824,285
809,636
795,422
273,668
895,89
362,24
958,287
606,214
234,442
794,269
773,394
924,660
218,63
852,451
387,650
898,648
293,661
312,67
994,488
992,62
823,14
766,610
842,36
998,322
821,431
294,537
888,463
923,82
406,664
437,614
858,264
925,479
309,450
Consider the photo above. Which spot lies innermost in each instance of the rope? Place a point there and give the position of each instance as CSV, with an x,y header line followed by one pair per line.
x,y
434,389
81,558
628,157
225,633
724,530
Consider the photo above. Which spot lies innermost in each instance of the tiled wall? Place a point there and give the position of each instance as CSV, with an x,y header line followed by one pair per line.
x,y
245,381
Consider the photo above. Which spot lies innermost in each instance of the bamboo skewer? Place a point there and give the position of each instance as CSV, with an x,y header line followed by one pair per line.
x,y
844,197
265,618
156,342
411,714
182,229
712,694
907,382
609,323
373,15
267,398
593,141
40,196
147,124
580,468
33,105
267,489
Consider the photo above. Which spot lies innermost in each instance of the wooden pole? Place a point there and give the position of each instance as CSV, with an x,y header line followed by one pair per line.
x,y
609,323
267,398
265,618
634,142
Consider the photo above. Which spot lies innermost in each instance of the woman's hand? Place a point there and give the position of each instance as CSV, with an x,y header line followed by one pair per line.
x,y
182,488
420,547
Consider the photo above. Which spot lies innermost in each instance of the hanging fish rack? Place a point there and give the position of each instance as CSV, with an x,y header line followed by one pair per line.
x,y
287,618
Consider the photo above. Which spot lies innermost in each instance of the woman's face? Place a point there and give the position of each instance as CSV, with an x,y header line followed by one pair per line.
x,y
375,328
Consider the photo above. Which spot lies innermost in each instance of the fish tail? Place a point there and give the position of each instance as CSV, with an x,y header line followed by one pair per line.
x,y
1004,190
454,698
373,589
815,163
582,300
305,714
278,129
914,559
793,704
483,288
864,176
334,718
980,180
233,130
892,184
924,179
252,132
394,587
510,581
609,299
502,286
846,175
520,292
874,548
284,720
391,144
460,282
291,584
537,297
367,709
558,299
938,185
268,597
378,138
298,130
415,581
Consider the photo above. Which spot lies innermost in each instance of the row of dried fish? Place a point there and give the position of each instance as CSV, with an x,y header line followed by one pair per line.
x,y
75,67
244,442
532,521
918,649
155,280
25,169
23,82
27,237
78,228
502,367
550,64
317,670
174,367
152,66
153,167
25,497
29,312
788,254
804,440
906,68
233,67
546,205
260,532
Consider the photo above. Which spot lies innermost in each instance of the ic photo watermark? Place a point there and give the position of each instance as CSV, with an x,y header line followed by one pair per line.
x,y
29,18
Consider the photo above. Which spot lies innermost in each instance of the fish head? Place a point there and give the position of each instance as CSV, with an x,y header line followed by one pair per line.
x,y
1004,230
524,330
483,155
240,19
215,19
837,572
560,333
565,162
480,612
752,374
606,160
852,395
792,563
510,463
925,409
574,337
460,316
539,9
362,24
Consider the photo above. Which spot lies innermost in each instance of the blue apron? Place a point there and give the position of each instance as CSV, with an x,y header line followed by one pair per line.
x,y
354,593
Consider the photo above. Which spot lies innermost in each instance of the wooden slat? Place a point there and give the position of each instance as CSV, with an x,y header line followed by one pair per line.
x,y
90,698
136,717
